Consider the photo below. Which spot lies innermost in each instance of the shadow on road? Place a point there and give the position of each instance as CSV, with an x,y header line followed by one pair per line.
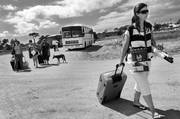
x,y
170,114
92,48
47,65
25,70
123,106
126,107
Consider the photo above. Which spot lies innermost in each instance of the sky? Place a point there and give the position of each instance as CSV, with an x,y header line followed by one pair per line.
x,y
18,18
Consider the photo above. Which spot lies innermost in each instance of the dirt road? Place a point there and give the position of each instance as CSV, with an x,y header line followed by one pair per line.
x,y
68,91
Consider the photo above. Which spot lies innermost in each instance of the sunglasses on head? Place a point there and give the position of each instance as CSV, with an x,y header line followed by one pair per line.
x,y
144,11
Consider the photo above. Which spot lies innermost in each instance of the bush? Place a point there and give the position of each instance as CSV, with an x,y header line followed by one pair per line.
x,y
166,35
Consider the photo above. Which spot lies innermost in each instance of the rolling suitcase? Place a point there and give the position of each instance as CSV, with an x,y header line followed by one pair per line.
x,y
110,85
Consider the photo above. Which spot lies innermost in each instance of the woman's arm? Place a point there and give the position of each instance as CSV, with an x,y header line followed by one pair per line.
x,y
153,42
125,46
158,52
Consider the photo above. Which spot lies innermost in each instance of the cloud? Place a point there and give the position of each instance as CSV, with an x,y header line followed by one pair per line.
x,y
88,6
8,7
26,19
110,15
65,9
29,23
166,9
4,34
102,11
23,28
47,24
42,16
113,20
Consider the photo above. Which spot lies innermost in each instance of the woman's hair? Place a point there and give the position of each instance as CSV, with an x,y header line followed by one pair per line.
x,y
135,18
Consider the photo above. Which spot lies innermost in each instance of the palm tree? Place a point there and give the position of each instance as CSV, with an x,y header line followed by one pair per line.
x,y
34,35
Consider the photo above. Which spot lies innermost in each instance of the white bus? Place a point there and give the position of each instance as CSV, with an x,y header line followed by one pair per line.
x,y
74,37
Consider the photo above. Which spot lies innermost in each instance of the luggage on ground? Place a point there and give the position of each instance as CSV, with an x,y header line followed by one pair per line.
x,y
110,85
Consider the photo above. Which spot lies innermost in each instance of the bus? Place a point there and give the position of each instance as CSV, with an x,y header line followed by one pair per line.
x,y
55,39
74,37
52,39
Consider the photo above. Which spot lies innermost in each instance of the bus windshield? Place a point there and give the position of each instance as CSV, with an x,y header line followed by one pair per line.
x,y
72,32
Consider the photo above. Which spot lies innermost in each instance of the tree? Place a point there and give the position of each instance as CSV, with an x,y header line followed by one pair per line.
x,y
4,41
34,35
157,27
12,42
116,29
105,31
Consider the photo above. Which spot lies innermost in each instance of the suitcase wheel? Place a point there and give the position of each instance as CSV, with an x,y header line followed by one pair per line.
x,y
103,100
118,96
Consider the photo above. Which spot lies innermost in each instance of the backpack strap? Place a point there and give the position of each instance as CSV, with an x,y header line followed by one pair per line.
x,y
130,29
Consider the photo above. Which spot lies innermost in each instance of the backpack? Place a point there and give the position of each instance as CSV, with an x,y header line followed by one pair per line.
x,y
130,29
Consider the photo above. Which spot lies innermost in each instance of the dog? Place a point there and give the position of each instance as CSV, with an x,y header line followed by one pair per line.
x,y
61,56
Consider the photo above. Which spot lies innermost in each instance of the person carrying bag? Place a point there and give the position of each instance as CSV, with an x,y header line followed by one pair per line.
x,y
139,47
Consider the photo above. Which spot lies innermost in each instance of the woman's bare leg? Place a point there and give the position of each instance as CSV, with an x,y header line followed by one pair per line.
x,y
137,97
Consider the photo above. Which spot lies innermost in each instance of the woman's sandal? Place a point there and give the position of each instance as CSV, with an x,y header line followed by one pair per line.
x,y
142,107
158,116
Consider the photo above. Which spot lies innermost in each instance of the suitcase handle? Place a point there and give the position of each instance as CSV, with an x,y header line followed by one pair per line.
x,y
117,66
116,77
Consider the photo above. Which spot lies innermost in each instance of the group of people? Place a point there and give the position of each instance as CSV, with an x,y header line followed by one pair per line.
x,y
40,53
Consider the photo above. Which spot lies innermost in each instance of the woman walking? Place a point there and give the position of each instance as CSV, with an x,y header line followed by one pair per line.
x,y
140,45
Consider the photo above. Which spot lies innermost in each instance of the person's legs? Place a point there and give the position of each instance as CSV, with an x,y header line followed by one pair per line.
x,y
21,61
142,85
16,63
47,59
137,97
64,58
149,102
36,61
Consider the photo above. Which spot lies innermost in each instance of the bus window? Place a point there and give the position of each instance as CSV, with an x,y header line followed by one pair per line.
x,y
67,34
77,33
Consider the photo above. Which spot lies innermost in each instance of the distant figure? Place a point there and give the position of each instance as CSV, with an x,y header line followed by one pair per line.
x,y
46,51
35,54
55,45
30,48
18,56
